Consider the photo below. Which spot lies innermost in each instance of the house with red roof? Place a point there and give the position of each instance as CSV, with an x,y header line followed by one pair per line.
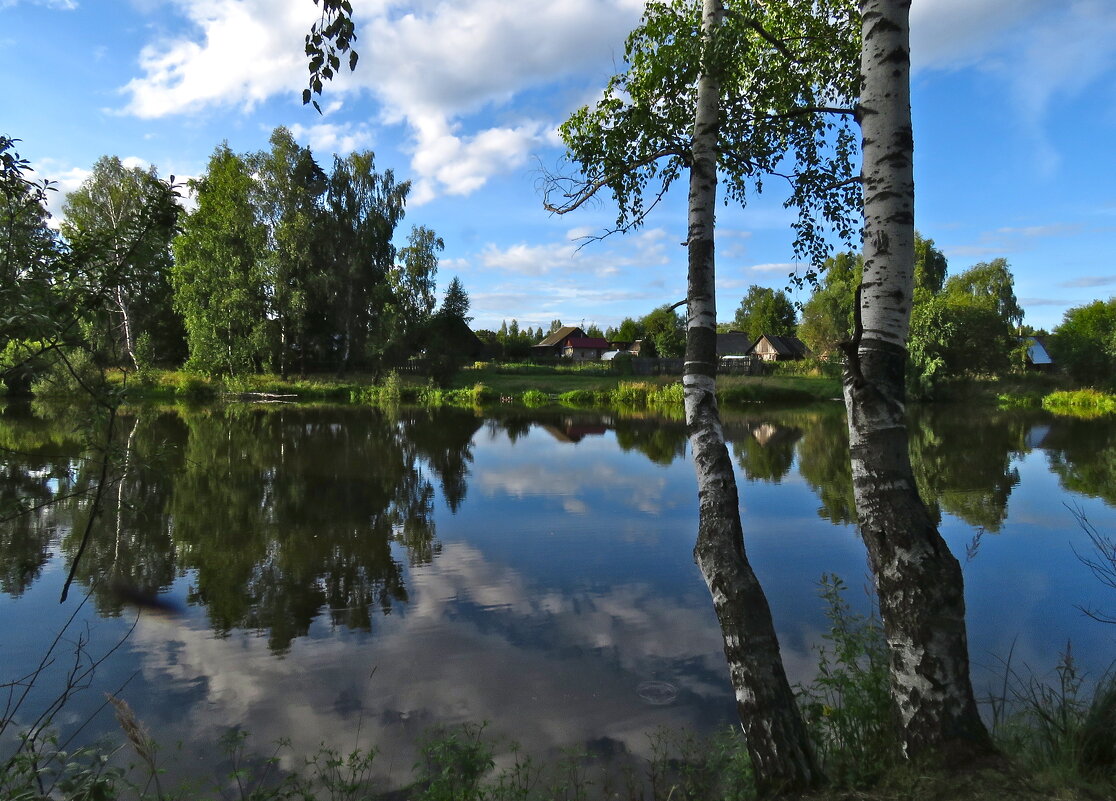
x,y
584,349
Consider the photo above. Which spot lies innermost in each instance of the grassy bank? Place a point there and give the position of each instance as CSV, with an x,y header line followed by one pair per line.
x,y
586,386
530,386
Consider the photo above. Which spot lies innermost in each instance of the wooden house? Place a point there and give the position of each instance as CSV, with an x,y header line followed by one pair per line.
x,y
554,342
772,348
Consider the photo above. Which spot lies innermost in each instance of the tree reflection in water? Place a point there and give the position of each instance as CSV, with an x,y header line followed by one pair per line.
x,y
275,514
279,515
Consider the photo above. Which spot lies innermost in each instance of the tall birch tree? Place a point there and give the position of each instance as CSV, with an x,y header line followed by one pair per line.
x,y
712,91
127,217
918,580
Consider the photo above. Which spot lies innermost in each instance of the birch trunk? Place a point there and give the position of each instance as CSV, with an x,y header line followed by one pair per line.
x,y
918,580
126,323
776,736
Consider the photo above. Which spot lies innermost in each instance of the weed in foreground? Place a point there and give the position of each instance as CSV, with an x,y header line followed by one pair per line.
x,y
1063,732
848,706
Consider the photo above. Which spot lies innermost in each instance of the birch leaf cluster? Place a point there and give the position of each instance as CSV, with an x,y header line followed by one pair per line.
x,y
788,82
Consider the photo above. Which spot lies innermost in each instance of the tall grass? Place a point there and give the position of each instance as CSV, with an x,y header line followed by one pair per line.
x,y
1060,727
1080,403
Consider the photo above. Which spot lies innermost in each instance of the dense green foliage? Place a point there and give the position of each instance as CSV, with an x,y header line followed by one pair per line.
x,y
765,311
961,326
967,329
776,65
280,266
666,330
128,215
1085,343
59,294
218,275
827,317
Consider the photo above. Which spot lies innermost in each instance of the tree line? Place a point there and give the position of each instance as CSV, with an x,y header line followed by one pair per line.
x,y
962,325
281,266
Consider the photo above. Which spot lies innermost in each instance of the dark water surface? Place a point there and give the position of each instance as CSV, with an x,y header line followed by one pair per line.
x,y
352,577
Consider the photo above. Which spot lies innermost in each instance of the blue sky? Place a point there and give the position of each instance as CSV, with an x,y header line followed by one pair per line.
x,y
1015,123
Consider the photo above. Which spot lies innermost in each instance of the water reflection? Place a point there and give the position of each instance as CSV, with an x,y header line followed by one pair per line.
x,y
531,569
1082,453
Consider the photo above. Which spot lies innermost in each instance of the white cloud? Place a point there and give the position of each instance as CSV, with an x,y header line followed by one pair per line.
x,y
432,66
1040,50
456,165
238,53
643,249
951,34
529,259
783,267
63,180
1090,281
337,139
1055,229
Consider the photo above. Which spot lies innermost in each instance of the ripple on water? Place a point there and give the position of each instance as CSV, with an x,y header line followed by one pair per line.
x,y
657,693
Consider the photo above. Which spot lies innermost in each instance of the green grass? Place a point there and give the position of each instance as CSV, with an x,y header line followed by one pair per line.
x,y
585,386
1080,403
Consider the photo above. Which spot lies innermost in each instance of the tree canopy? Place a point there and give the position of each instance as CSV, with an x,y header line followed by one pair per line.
x,y
765,311
1085,342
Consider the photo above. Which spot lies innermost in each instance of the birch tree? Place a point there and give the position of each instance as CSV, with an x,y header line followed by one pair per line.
x,y
711,91
363,208
918,580
127,216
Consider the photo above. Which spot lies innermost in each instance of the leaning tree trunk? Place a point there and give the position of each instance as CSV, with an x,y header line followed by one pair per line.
x,y
918,580
776,737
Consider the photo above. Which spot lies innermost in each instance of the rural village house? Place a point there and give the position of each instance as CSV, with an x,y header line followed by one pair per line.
x,y
771,348
570,342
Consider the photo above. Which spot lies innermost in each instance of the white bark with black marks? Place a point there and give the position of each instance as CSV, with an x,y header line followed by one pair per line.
x,y
776,737
918,580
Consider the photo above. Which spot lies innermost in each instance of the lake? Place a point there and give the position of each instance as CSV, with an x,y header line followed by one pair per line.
x,y
350,576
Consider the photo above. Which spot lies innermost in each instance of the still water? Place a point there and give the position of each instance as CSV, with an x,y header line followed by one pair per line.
x,y
346,576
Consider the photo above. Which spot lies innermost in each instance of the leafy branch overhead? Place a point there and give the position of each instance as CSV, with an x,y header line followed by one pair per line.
x,y
330,38
789,80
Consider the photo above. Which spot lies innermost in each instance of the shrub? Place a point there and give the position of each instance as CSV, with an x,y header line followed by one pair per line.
x,y
196,389
534,397
579,397
1056,727
1013,401
390,388
74,375
668,395
482,393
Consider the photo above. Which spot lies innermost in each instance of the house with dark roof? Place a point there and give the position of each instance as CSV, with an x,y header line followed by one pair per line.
x,y
734,343
554,342
772,348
